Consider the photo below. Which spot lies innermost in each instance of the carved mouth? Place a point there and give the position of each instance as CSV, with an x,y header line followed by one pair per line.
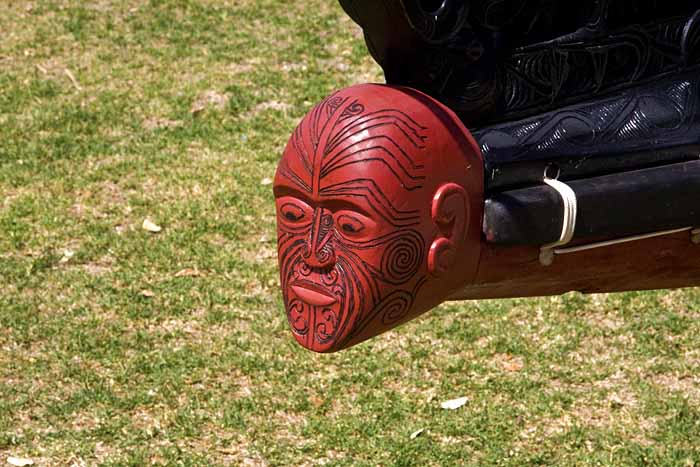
x,y
313,294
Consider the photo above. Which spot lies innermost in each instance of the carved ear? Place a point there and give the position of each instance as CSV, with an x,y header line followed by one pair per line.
x,y
450,211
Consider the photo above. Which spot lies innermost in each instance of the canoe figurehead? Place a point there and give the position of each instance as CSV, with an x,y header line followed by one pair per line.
x,y
378,198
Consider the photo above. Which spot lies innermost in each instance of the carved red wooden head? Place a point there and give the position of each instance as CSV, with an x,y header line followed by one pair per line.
x,y
379,196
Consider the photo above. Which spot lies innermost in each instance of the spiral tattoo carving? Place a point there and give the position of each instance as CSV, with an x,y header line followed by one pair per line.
x,y
352,110
403,257
296,317
395,307
325,330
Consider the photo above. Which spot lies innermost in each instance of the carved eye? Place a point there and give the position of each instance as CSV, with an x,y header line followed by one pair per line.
x,y
350,225
291,212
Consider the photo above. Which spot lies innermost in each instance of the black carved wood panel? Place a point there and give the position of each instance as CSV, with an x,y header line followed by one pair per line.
x,y
499,60
642,126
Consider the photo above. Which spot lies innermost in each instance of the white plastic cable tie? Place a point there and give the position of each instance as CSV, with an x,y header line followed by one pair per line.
x,y
570,207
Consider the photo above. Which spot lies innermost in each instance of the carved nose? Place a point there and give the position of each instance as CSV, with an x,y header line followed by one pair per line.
x,y
318,252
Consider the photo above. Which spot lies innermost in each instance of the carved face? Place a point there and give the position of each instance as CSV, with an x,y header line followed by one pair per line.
x,y
354,219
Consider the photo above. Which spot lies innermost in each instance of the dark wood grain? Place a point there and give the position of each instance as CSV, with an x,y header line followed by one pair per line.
x,y
665,262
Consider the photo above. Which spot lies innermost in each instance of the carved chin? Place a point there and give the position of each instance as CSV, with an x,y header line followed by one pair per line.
x,y
316,314
315,326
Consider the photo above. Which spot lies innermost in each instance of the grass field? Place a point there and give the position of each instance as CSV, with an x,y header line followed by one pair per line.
x,y
120,346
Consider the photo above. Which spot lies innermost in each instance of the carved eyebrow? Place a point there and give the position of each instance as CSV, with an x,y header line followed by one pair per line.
x,y
285,190
333,204
286,171
368,190
344,204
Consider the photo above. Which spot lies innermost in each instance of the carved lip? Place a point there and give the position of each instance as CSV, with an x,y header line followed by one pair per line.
x,y
313,294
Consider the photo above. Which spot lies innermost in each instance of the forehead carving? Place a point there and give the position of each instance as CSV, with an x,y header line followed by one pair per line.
x,y
340,143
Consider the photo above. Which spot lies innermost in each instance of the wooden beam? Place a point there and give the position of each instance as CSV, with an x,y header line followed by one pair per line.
x,y
618,205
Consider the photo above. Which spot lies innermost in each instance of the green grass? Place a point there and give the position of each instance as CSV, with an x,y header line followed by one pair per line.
x,y
109,356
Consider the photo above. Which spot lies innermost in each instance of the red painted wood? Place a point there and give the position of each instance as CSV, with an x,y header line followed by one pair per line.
x,y
379,199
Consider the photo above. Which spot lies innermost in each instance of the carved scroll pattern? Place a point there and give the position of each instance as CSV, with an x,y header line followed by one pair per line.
x,y
497,60
663,115
543,76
